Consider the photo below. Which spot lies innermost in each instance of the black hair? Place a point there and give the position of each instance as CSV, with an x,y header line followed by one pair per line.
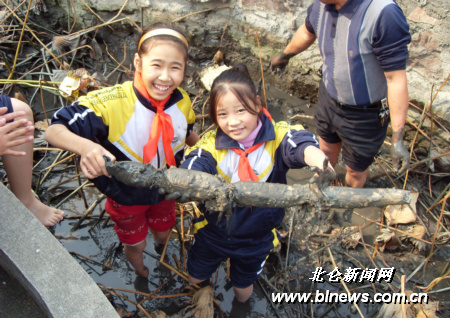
x,y
147,44
238,81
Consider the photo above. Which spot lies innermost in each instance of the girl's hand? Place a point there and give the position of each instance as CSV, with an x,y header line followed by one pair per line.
x,y
92,162
323,176
10,116
15,133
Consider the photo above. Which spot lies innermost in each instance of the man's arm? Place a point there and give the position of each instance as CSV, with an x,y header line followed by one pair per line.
x,y
301,40
397,98
398,107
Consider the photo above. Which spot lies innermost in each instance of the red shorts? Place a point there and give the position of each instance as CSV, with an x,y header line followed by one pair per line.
x,y
132,222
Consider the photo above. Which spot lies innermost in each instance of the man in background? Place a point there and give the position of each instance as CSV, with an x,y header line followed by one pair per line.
x,y
363,44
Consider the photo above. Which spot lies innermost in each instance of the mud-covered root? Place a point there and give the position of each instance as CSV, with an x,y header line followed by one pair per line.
x,y
175,183
136,174
219,195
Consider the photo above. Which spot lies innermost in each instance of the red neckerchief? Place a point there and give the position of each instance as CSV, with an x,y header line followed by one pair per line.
x,y
162,123
266,112
245,170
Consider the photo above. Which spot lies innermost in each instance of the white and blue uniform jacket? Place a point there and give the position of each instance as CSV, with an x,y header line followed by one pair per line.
x,y
119,118
282,150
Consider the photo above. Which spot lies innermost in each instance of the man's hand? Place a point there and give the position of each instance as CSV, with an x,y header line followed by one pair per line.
x,y
399,153
279,61
324,176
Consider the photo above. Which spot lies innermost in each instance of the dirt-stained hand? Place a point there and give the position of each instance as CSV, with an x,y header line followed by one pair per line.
x,y
92,162
399,155
279,62
323,177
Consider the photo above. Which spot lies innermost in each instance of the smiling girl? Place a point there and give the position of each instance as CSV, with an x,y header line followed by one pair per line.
x,y
148,120
247,146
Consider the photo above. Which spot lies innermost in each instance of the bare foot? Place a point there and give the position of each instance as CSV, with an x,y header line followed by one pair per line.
x,y
143,272
47,215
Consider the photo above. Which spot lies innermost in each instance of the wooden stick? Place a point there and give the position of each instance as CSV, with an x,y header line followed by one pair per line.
x,y
87,212
403,292
262,72
183,251
437,226
379,163
61,161
342,281
91,260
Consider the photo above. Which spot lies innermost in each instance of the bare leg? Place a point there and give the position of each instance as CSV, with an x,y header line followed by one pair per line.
x,y
160,237
355,179
330,150
135,255
19,170
194,280
243,294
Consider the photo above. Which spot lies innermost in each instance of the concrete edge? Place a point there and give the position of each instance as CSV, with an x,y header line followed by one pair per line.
x,y
34,257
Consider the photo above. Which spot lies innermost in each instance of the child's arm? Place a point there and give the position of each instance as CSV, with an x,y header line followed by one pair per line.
x,y
300,148
13,134
315,157
92,162
192,139
325,173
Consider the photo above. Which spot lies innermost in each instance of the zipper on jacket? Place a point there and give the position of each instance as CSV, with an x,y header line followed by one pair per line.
x,y
158,159
230,222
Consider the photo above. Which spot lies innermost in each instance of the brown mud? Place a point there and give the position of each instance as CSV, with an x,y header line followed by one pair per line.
x,y
219,195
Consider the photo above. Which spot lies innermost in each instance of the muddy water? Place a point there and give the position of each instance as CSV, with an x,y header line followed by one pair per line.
x,y
101,242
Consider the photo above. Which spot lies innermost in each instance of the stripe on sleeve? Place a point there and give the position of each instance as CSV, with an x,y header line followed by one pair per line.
x,y
193,159
78,115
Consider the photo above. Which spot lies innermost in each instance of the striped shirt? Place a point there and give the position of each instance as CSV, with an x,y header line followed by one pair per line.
x,y
358,43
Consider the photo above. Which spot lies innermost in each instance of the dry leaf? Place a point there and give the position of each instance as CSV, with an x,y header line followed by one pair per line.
x,y
399,214
335,234
208,75
74,81
218,58
202,303
62,42
427,310
417,231
158,314
388,241
41,125
394,310
19,96
353,240
442,238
